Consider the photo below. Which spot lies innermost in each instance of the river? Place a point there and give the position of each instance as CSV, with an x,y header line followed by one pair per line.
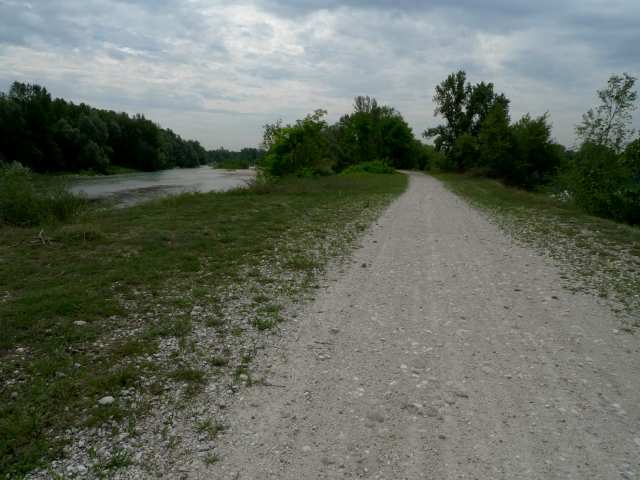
x,y
130,188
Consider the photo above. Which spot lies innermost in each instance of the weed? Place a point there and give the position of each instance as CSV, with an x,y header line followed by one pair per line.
x,y
218,361
172,327
242,374
188,375
118,460
211,459
237,331
210,427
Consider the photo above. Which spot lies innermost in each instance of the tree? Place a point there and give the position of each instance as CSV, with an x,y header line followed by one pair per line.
x,y
495,144
481,99
372,132
450,99
55,135
464,108
535,156
298,149
465,153
631,159
609,124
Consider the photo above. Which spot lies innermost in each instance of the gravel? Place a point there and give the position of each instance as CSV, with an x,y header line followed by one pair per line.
x,y
455,354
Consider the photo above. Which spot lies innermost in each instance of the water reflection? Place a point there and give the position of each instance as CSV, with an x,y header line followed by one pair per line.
x,y
131,188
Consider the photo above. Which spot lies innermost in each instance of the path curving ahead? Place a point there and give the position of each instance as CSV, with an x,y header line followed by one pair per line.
x,y
453,354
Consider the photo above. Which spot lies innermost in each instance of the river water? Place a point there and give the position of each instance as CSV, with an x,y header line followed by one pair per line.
x,y
131,188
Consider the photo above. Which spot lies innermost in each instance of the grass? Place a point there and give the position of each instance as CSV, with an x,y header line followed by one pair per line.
x,y
83,313
210,427
27,199
105,467
597,255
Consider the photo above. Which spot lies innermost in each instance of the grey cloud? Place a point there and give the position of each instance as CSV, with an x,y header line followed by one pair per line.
x,y
207,62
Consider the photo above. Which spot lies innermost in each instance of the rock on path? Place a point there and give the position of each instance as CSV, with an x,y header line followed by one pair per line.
x,y
453,355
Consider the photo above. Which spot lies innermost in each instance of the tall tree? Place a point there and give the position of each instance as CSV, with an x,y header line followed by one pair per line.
x,y
464,108
450,99
609,123
495,143
481,99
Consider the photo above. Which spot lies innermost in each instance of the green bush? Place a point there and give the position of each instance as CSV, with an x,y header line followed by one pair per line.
x,y
376,166
233,164
428,158
603,183
27,202
299,149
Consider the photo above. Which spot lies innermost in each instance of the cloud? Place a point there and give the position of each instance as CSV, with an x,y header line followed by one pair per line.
x,y
218,70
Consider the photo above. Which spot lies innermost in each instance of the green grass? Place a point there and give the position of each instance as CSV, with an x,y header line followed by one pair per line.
x,y
133,276
210,427
597,255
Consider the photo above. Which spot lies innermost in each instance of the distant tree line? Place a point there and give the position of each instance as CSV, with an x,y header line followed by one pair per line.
x,y
245,158
477,135
53,135
372,132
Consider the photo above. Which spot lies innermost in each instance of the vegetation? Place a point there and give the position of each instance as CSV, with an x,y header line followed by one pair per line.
x,y
313,147
478,135
369,167
50,135
602,177
85,304
245,158
24,201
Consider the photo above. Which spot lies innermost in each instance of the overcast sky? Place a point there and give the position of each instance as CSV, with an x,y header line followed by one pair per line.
x,y
217,71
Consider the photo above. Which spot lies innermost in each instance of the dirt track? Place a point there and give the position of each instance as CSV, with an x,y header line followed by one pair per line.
x,y
453,354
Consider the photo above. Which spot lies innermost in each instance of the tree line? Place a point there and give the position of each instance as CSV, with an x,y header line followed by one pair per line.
x,y
244,158
478,136
371,133
54,135
602,175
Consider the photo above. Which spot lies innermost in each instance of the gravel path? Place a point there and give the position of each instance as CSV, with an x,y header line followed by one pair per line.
x,y
442,351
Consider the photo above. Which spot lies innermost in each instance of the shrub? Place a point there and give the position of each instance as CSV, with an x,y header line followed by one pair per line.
x,y
25,203
300,149
376,166
233,164
603,183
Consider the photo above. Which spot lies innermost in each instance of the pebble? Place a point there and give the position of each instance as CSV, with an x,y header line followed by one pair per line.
x,y
375,417
413,408
79,323
108,400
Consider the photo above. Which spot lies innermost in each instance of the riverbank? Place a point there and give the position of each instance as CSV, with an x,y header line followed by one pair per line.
x,y
136,187
123,312
598,256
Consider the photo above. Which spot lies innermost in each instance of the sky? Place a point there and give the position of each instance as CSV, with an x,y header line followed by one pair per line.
x,y
218,71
